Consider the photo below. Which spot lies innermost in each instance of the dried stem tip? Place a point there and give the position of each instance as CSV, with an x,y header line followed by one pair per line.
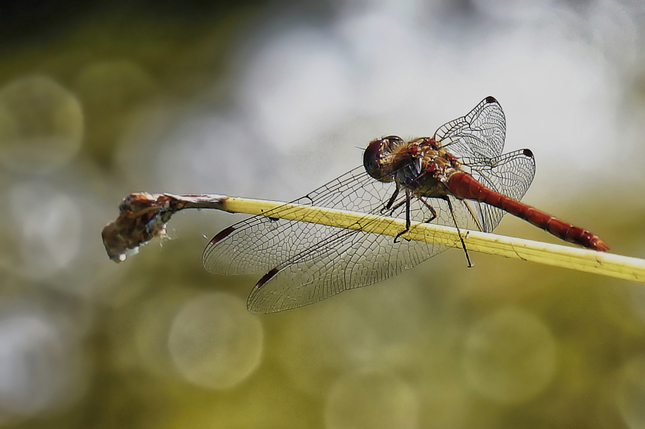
x,y
142,216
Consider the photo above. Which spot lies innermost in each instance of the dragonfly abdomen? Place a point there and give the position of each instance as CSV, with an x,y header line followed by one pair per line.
x,y
464,186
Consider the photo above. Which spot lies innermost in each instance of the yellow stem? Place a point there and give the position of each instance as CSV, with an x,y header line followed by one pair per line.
x,y
618,266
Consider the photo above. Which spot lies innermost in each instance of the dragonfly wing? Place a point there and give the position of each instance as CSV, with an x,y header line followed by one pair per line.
x,y
259,243
480,133
347,259
509,174
307,262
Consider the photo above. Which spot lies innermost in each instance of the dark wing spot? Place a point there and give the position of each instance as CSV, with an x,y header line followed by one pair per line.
x,y
268,276
222,234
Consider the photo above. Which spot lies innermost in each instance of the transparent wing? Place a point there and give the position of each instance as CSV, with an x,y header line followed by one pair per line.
x,y
510,174
260,243
480,133
307,262
346,260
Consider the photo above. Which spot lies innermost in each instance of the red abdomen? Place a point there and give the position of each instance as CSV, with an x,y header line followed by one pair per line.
x,y
464,186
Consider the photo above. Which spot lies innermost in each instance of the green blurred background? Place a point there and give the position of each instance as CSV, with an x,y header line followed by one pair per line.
x,y
271,99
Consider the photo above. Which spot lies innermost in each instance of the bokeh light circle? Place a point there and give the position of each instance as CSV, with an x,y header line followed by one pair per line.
x,y
509,356
40,371
214,342
41,124
46,230
371,400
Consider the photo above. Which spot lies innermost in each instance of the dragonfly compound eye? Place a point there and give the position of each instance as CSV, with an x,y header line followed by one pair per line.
x,y
378,155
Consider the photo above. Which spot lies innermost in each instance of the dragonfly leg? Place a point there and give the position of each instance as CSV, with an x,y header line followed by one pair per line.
x,y
472,213
396,206
432,210
408,222
463,244
389,204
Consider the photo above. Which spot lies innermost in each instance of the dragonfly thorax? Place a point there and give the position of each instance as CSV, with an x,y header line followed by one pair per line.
x,y
420,165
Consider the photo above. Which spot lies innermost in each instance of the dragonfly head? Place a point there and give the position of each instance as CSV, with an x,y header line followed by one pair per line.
x,y
378,158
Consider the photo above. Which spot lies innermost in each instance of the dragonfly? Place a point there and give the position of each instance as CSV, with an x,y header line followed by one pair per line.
x,y
459,177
